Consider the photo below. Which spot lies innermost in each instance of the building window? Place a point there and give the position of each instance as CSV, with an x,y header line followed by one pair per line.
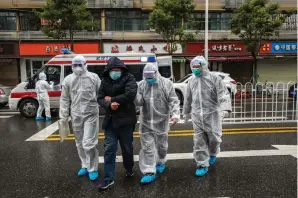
x,y
217,21
126,21
29,21
96,17
290,23
8,21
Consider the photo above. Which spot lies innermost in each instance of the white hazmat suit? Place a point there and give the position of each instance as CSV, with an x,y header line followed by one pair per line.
x,y
207,100
79,96
41,88
158,101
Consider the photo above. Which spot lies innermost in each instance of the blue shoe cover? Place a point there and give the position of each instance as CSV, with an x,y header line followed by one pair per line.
x,y
148,179
39,118
82,172
93,175
212,160
201,171
48,118
160,168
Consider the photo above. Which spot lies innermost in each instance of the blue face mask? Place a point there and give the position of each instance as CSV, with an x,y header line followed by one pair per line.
x,y
196,71
115,74
151,81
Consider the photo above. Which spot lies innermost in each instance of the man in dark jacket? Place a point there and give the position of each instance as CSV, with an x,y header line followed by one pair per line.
x,y
116,95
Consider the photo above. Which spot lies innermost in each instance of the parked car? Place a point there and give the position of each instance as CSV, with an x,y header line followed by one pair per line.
x,y
293,91
4,95
181,85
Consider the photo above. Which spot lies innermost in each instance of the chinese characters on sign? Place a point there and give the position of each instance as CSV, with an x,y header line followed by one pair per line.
x,y
158,48
55,48
141,48
284,47
216,48
225,48
153,49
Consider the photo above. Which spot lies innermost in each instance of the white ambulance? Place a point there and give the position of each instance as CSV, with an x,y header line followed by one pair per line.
x,y
23,96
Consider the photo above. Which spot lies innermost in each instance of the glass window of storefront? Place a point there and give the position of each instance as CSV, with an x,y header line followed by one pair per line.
x,y
8,21
126,21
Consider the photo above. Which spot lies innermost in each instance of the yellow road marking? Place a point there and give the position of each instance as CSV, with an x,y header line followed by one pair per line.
x,y
101,136
240,130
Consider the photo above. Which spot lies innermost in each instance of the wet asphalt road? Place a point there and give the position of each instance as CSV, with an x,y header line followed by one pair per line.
x,y
48,168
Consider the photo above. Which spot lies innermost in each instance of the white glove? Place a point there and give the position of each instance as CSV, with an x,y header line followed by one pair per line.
x,y
225,114
174,121
187,117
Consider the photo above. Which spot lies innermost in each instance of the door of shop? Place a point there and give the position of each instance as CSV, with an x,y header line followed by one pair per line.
x,y
240,71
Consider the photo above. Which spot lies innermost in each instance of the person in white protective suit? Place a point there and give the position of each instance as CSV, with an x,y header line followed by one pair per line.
x,y
207,101
79,96
158,100
41,88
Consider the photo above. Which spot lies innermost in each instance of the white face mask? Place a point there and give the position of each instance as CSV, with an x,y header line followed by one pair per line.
x,y
78,70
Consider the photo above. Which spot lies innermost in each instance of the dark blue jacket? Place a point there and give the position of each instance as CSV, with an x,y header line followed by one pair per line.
x,y
122,91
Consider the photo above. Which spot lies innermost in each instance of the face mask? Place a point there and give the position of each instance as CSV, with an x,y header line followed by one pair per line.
x,y
78,70
115,74
151,81
196,71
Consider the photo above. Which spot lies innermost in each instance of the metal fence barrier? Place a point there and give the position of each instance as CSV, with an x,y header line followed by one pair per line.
x,y
264,102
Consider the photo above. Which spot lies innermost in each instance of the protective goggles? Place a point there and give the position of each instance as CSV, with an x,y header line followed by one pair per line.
x,y
149,74
197,66
77,65
197,63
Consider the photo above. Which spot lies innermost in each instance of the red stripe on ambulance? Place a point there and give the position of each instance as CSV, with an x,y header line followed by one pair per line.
x,y
91,61
33,94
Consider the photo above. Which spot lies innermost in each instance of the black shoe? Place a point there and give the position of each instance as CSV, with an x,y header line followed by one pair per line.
x,y
129,173
105,185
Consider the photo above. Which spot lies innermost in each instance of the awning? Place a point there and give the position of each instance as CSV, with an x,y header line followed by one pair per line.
x,y
211,58
178,59
223,59
239,58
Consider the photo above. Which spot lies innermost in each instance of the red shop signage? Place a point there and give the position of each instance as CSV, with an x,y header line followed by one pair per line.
x,y
50,49
216,48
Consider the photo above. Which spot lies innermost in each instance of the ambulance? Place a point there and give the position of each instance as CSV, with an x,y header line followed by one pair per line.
x,y
23,96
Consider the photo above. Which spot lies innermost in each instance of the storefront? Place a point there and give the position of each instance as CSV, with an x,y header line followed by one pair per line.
x,y
228,57
9,64
279,63
159,48
35,55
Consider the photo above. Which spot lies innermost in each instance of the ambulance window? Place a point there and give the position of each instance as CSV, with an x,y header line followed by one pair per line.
x,y
67,70
165,71
53,73
137,71
98,69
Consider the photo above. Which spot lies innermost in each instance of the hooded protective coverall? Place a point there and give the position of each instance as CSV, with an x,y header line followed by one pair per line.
x,y
207,100
158,101
79,95
41,88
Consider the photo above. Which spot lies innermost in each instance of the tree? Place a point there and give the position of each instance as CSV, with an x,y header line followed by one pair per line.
x,y
254,22
168,18
64,18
